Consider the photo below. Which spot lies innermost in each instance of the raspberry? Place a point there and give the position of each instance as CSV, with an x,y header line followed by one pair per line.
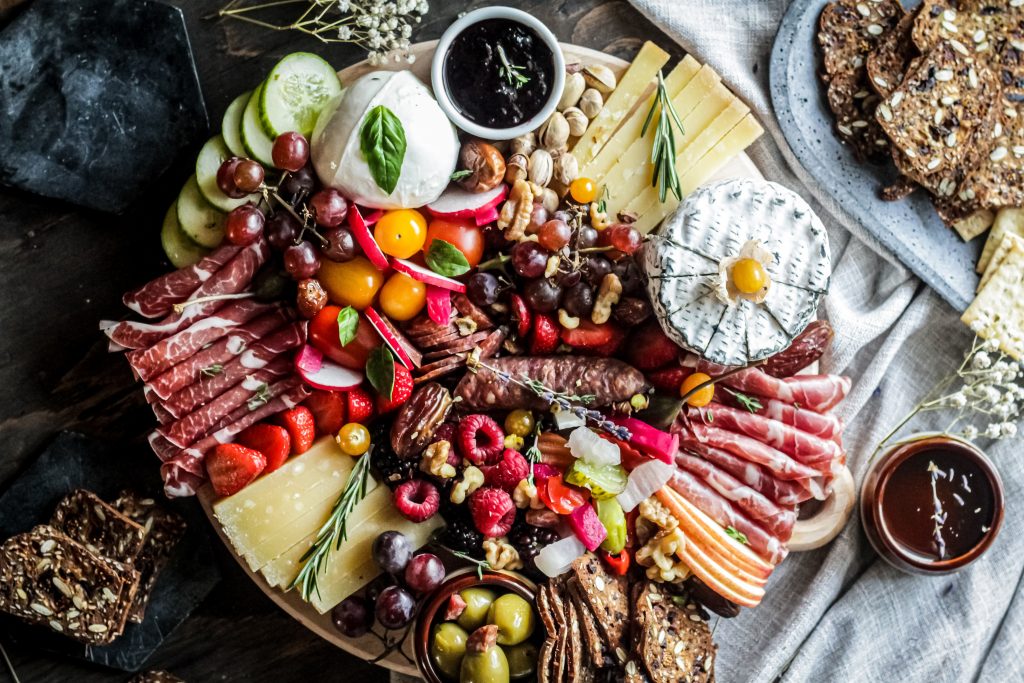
x,y
543,471
417,500
480,439
446,432
510,470
493,511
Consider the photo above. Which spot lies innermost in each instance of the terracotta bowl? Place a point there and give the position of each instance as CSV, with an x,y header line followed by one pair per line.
x,y
508,582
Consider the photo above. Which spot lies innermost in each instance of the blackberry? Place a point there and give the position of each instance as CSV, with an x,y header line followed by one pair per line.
x,y
529,540
460,535
392,469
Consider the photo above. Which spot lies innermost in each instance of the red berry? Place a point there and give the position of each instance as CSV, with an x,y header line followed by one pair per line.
x,y
418,500
508,472
650,348
520,315
493,511
545,335
226,178
231,467
329,410
301,427
329,207
360,405
668,380
612,346
248,175
480,439
272,441
590,335
400,393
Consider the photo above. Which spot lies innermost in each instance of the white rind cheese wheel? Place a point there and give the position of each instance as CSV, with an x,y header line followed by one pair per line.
x,y
688,258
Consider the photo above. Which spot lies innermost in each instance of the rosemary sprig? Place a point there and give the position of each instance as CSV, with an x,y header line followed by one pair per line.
x,y
533,452
663,151
510,72
481,565
749,402
538,387
261,397
212,370
334,531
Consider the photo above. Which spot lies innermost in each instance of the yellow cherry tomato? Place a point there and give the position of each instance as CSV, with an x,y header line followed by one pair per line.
x,y
353,283
583,190
402,297
401,233
354,439
702,397
749,276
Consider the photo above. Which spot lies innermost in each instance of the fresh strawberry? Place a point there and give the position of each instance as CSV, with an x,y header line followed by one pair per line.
x,y
612,346
360,405
301,427
231,467
545,335
650,348
272,441
328,408
590,336
668,380
400,393
520,315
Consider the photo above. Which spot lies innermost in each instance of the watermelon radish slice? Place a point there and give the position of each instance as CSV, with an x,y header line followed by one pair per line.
x,y
439,304
426,276
391,337
649,440
456,202
587,527
323,373
364,237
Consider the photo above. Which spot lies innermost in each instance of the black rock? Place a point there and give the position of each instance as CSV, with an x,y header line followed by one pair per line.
x,y
97,99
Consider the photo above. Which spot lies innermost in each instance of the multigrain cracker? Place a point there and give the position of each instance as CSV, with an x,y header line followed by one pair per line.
x,y
848,31
889,60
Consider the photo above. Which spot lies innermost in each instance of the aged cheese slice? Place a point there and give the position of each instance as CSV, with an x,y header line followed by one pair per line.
x,y
1007,221
1010,241
997,312
697,105
629,131
630,87
735,141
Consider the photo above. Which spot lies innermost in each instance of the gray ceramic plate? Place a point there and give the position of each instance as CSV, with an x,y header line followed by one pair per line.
x,y
910,229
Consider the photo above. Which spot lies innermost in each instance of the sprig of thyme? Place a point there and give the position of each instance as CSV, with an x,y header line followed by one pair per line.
x,y
663,151
533,453
510,72
334,531
212,370
749,402
261,397
481,565
736,534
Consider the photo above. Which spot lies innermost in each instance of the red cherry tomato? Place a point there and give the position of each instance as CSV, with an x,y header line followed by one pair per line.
x,y
323,335
462,234
559,496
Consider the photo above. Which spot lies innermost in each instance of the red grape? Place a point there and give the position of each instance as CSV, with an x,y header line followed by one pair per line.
x,y
586,237
352,617
290,151
392,551
244,225
301,261
248,175
299,183
329,207
579,300
623,240
282,230
226,178
340,247
424,573
529,259
395,607
482,289
630,276
542,295
538,217
554,234
597,268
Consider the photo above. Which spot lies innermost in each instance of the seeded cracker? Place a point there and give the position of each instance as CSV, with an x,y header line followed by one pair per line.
x,y
887,63
591,635
900,188
99,527
560,656
675,641
607,597
853,106
998,312
848,31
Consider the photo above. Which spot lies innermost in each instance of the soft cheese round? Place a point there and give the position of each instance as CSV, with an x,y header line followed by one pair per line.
x,y
432,146
712,225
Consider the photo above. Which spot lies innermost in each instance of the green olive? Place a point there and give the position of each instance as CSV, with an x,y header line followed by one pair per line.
x,y
514,618
489,666
447,647
522,660
478,601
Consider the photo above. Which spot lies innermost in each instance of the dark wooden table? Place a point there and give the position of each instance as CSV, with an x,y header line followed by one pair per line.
x,y
64,269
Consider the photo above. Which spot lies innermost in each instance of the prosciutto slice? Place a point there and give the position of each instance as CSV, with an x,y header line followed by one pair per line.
x,y
814,392
780,491
823,425
777,520
782,465
190,370
157,297
232,278
708,501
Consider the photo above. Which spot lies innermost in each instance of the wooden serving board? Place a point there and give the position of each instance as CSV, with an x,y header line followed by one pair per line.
x,y
369,647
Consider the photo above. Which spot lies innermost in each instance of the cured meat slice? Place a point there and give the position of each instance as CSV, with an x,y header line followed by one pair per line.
x,y
192,369
164,449
222,377
148,363
252,389
775,519
814,392
783,466
157,297
782,492
806,448
823,425
232,278
708,501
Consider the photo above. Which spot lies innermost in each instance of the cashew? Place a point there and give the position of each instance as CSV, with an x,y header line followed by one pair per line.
x,y
472,479
435,460
500,554
552,265
607,296
567,321
598,219
515,213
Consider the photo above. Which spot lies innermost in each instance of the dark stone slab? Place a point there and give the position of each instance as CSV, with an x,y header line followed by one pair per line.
x,y
75,461
97,99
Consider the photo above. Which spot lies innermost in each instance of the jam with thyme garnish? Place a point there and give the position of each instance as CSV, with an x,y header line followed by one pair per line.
x,y
498,73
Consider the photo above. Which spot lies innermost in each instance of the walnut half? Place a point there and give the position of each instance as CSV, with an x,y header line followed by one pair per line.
x,y
515,212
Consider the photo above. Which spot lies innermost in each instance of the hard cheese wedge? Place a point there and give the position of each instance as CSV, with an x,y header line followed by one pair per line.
x,y
630,131
630,87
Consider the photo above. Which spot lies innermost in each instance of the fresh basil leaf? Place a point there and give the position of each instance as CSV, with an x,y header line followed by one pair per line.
x,y
382,142
380,370
459,175
348,325
444,258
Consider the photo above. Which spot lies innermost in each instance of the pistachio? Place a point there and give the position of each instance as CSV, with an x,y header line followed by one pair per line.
x,y
550,200
591,102
541,167
573,68
566,169
577,121
485,164
524,144
574,87
515,168
554,134
600,77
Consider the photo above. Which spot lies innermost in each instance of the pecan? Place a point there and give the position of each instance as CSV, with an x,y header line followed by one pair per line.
x,y
631,311
419,418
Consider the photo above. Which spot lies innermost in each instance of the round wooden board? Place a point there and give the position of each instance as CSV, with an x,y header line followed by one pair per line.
x,y
368,647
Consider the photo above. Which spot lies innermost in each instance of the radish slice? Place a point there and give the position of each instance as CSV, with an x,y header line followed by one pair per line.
x,y
361,231
644,481
371,218
483,218
439,304
556,558
456,202
427,276
323,373
587,526
387,334
649,440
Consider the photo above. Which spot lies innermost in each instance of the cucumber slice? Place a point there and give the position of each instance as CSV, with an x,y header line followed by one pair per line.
x,y
231,124
211,156
295,92
198,219
258,144
179,248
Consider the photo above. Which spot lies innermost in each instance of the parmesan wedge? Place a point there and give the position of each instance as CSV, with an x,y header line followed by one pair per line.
x,y
997,312
1007,221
